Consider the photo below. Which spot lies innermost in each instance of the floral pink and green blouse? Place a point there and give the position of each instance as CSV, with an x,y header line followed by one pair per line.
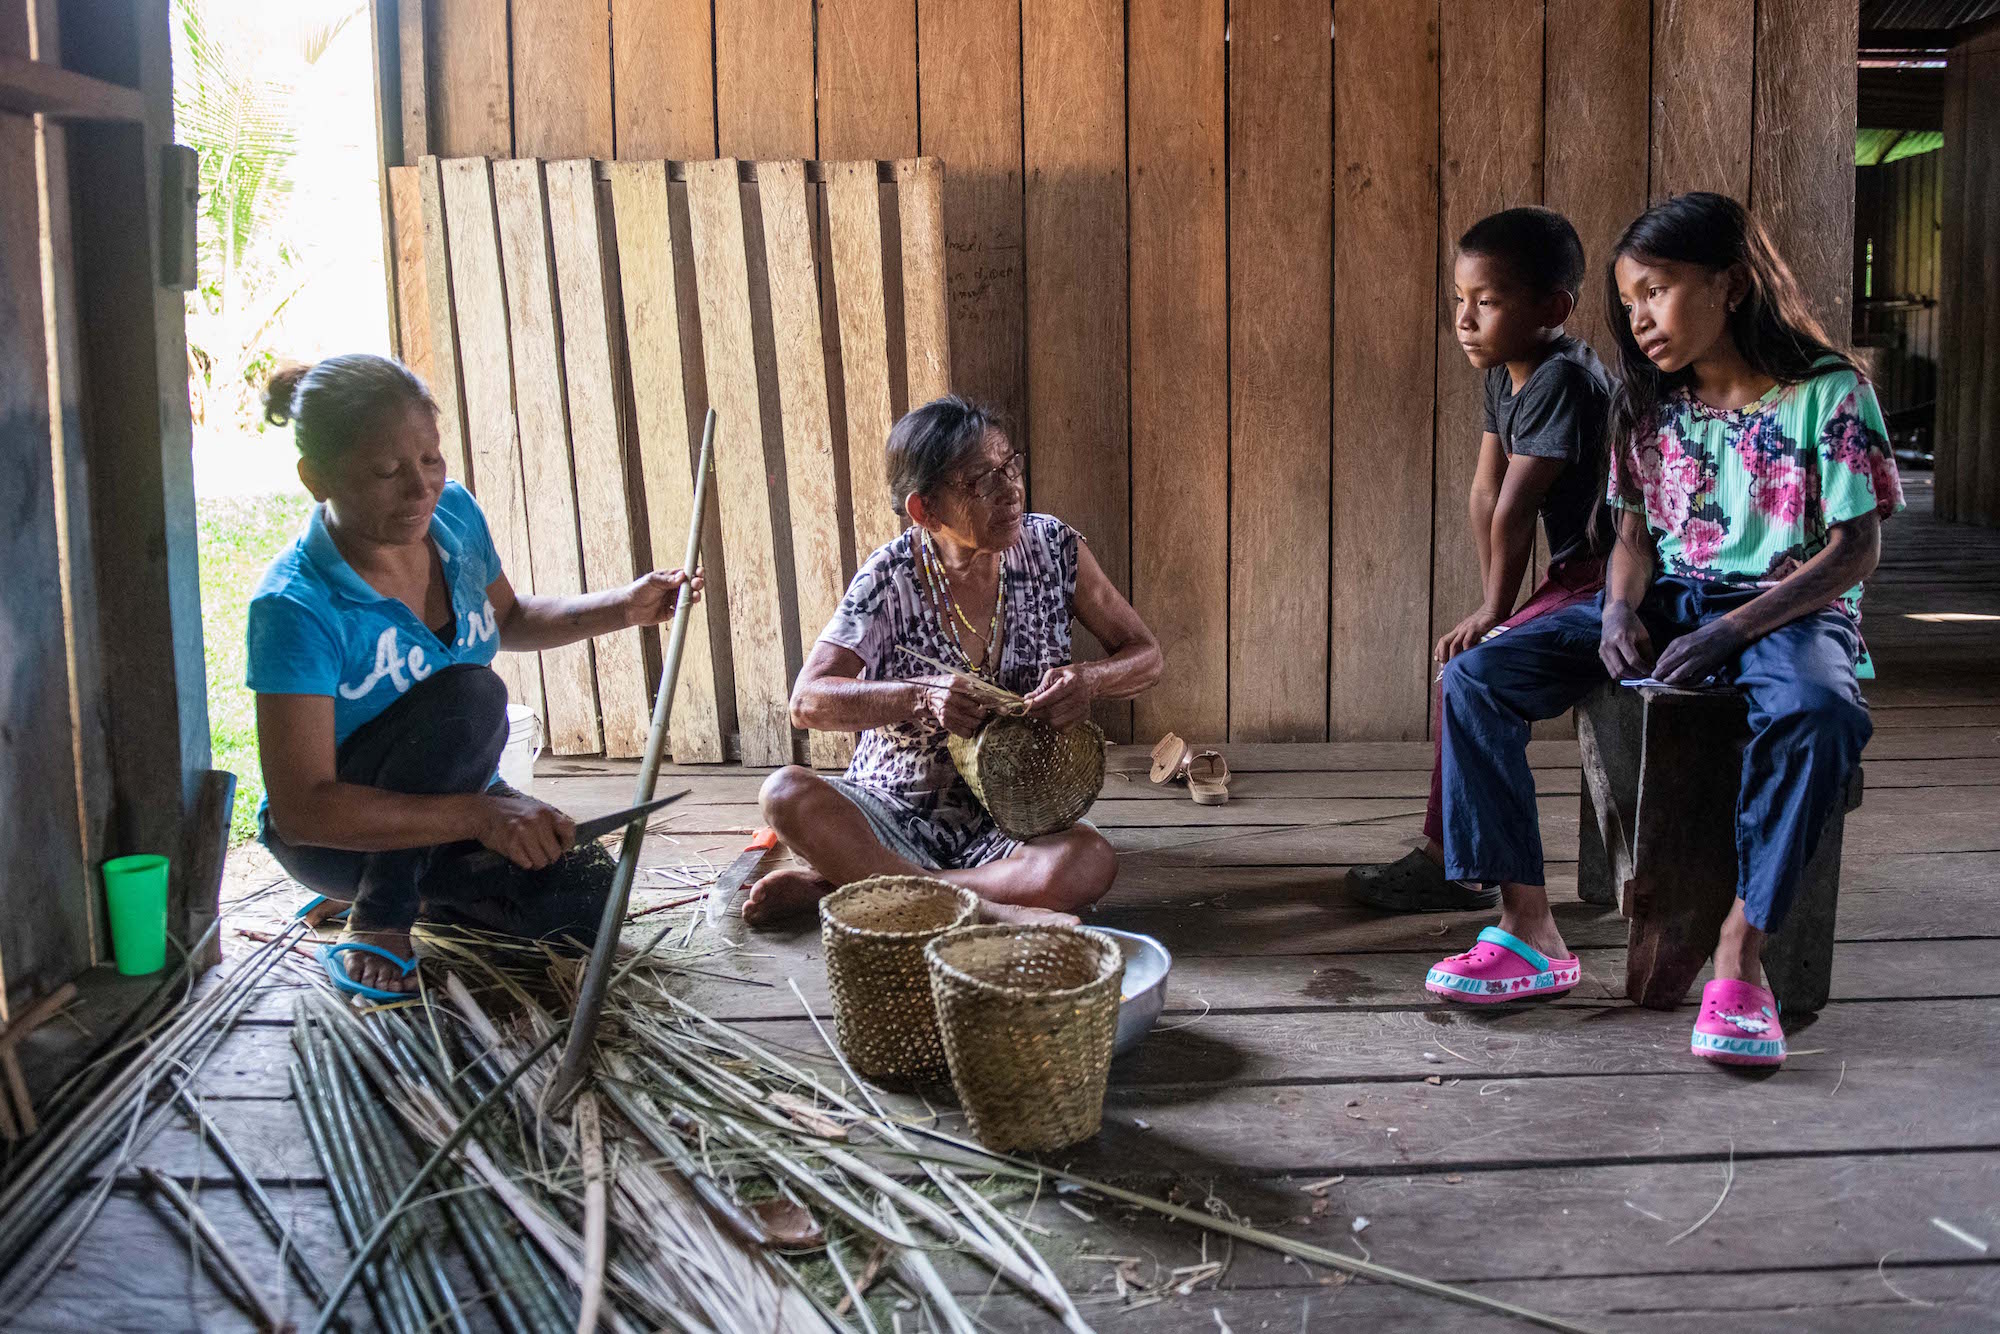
x,y
1746,496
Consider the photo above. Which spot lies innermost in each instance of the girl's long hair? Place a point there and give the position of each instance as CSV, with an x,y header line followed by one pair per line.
x,y
1774,329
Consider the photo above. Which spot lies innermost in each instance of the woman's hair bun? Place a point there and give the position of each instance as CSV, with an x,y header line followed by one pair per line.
x,y
278,392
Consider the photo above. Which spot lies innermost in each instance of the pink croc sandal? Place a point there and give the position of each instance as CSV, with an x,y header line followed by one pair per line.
x,y
1501,967
1738,1025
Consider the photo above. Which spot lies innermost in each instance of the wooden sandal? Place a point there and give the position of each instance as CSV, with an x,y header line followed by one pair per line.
x,y
1171,757
1208,778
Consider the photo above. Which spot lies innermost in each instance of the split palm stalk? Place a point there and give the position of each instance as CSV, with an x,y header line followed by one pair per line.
x,y
575,1064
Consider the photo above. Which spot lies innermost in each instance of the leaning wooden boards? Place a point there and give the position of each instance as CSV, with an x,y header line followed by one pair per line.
x,y
581,316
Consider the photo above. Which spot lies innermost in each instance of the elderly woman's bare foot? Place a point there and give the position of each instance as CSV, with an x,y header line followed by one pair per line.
x,y
783,894
1014,914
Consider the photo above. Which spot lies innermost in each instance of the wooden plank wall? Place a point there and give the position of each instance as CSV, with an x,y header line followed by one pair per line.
x,y
1200,254
1968,413
1897,232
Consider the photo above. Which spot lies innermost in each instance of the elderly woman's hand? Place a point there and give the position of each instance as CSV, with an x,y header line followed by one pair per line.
x,y
650,598
951,703
1063,698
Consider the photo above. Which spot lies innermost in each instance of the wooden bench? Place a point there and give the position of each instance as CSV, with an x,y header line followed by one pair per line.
x,y
1657,836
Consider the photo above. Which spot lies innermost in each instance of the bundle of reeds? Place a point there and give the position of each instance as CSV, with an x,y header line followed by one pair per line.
x,y
110,1110
725,1185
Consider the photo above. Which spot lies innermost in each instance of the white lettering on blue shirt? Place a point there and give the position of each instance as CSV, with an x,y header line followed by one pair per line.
x,y
390,662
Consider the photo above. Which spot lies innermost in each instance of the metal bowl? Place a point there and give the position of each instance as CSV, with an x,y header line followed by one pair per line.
x,y
1144,990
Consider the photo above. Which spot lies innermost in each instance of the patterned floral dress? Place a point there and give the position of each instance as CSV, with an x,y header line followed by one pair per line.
x,y
902,776
1747,496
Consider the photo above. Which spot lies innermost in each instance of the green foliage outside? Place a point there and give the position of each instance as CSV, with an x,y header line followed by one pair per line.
x,y
240,535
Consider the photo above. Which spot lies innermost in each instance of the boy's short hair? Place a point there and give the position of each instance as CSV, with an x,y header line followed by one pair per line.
x,y
1538,245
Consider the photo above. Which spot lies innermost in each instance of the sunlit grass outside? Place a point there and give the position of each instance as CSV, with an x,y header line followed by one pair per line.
x,y
240,535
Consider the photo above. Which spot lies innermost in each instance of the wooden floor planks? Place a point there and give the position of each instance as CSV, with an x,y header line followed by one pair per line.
x,y
1298,1049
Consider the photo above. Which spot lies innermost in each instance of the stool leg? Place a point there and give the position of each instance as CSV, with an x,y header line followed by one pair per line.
x,y
1798,958
1684,845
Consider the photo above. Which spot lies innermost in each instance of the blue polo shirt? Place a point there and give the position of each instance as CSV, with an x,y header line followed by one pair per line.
x,y
317,628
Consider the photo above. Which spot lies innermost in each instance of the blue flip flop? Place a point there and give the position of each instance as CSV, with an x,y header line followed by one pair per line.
x,y
314,902
336,972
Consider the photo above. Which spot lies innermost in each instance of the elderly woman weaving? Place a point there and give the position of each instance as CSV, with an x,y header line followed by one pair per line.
x,y
980,586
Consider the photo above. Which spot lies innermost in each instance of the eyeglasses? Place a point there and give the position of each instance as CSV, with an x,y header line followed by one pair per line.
x,y
994,483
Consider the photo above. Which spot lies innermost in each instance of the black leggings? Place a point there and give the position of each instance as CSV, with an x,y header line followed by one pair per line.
x,y
444,736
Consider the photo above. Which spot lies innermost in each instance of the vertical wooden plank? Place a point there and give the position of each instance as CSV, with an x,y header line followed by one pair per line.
x,y
413,301
764,79
486,363
1280,333
1703,65
413,50
45,921
541,418
562,78
660,387
1073,125
1594,136
1951,291
867,78
1385,211
971,96
1802,170
1177,205
926,307
1969,346
604,515
854,219
1980,492
808,427
715,213
71,474
663,61
466,73
1490,119
442,324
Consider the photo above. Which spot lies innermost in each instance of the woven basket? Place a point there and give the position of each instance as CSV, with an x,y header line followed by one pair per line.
x,y
874,932
1031,778
1028,1014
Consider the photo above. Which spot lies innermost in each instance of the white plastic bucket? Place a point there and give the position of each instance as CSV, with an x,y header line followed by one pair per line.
x,y
524,747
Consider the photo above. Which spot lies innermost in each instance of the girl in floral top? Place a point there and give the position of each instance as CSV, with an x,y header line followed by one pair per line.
x,y
1750,474
977,584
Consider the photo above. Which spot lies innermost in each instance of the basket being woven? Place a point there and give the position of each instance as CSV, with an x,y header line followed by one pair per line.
x,y
1028,1014
874,932
1033,779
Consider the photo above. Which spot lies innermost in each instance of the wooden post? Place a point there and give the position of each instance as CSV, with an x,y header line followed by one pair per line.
x,y
137,443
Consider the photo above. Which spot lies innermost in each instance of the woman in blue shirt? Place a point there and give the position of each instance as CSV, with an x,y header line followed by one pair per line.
x,y
379,718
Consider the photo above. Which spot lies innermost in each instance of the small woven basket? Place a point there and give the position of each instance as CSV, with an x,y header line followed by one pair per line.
x,y
1033,779
1028,1014
874,932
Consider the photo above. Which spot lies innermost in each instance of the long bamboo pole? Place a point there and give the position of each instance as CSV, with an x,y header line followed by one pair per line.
x,y
575,1064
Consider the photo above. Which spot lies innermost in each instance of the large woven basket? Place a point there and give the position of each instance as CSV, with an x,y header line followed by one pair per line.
x,y
1032,778
1028,1014
874,932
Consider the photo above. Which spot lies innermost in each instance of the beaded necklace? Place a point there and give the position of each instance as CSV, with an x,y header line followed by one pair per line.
x,y
938,584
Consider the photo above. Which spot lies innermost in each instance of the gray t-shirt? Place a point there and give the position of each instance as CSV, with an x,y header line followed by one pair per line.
x,y
1560,413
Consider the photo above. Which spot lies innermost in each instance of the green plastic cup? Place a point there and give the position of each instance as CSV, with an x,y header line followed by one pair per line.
x,y
136,890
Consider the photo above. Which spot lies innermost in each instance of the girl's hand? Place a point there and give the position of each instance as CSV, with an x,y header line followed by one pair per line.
x,y
1699,654
1465,635
950,703
650,598
1624,646
1063,698
529,833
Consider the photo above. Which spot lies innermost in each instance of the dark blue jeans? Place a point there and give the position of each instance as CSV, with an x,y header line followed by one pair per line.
x,y
443,736
1808,724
